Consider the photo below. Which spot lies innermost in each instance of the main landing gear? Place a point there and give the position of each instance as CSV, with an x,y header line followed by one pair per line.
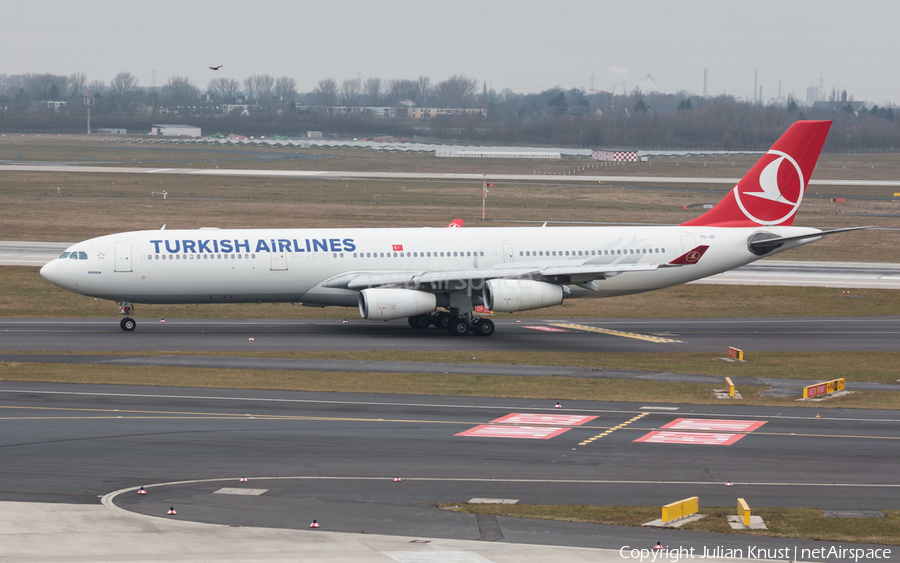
x,y
128,323
455,325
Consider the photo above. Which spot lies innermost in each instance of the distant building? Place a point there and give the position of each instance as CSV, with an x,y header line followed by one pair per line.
x,y
455,152
50,104
113,130
615,156
839,106
169,130
427,113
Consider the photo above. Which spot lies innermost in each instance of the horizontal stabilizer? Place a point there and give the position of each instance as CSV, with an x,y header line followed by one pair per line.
x,y
764,243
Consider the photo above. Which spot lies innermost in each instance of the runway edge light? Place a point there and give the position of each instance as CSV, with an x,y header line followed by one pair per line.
x,y
314,524
142,491
171,511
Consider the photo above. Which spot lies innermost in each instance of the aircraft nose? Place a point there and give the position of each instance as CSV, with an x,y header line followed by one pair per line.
x,y
48,272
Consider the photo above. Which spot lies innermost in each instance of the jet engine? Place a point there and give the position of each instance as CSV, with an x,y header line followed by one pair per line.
x,y
383,304
509,296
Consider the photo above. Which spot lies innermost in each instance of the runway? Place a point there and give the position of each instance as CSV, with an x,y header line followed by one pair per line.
x,y
578,335
334,457
337,174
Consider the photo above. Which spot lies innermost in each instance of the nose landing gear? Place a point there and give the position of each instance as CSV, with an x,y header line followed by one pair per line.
x,y
128,323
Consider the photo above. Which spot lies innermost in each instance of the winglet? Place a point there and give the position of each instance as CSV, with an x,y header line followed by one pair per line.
x,y
690,257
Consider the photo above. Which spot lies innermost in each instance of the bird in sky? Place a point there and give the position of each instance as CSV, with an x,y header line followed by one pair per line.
x,y
215,67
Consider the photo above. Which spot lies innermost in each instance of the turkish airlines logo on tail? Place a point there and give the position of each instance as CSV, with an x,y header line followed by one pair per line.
x,y
776,196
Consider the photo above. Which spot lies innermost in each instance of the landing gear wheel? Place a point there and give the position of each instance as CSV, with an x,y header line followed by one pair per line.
x,y
441,320
128,324
483,327
458,327
419,321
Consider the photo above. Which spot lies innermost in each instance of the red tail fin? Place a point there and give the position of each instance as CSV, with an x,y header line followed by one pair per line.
x,y
771,192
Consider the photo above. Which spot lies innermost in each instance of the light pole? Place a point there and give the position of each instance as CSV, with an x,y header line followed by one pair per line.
x,y
88,102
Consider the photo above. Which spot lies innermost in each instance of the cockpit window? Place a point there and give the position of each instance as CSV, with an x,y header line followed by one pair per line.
x,y
73,256
82,255
64,255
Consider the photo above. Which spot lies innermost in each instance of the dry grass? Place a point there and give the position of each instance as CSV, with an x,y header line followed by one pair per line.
x,y
546,388
800,523
88,205
873,367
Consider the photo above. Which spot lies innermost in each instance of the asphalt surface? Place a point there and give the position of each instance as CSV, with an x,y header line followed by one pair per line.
x,y
572,335
334,457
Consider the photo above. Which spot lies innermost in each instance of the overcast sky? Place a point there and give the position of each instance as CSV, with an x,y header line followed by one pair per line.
x,y
524,45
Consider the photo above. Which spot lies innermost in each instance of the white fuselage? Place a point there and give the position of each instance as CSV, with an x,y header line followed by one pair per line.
x,y
294,265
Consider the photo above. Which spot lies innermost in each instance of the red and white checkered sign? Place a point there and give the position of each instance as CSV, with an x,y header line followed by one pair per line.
x,y
505,431
615,156
556,419
702,438
713,424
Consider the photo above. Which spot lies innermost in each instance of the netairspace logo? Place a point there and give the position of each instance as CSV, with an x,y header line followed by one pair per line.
x,y
793,553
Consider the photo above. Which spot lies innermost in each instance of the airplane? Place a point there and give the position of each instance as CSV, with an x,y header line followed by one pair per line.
x,y
436,277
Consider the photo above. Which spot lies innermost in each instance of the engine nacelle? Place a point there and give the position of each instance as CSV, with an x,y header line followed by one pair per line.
x,y
383,304
509,296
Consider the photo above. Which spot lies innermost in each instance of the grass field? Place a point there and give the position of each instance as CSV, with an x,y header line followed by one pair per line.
x,y
802,523
550,389
58,206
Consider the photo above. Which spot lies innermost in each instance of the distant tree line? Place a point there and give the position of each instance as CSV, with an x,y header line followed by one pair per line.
x,y
568,117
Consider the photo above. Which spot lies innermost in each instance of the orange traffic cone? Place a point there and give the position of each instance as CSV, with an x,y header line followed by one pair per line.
x,y
314,524
243,479
142,491
171,511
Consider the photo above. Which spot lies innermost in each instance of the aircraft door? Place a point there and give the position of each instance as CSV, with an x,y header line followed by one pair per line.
x,y
507,252
688,243
279,261
123,257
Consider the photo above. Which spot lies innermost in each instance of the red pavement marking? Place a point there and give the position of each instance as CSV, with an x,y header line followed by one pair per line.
x,y
530,432
713,424
704,438
556,419
547,328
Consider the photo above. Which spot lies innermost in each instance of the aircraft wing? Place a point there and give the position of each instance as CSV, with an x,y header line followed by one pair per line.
x,y
556,273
